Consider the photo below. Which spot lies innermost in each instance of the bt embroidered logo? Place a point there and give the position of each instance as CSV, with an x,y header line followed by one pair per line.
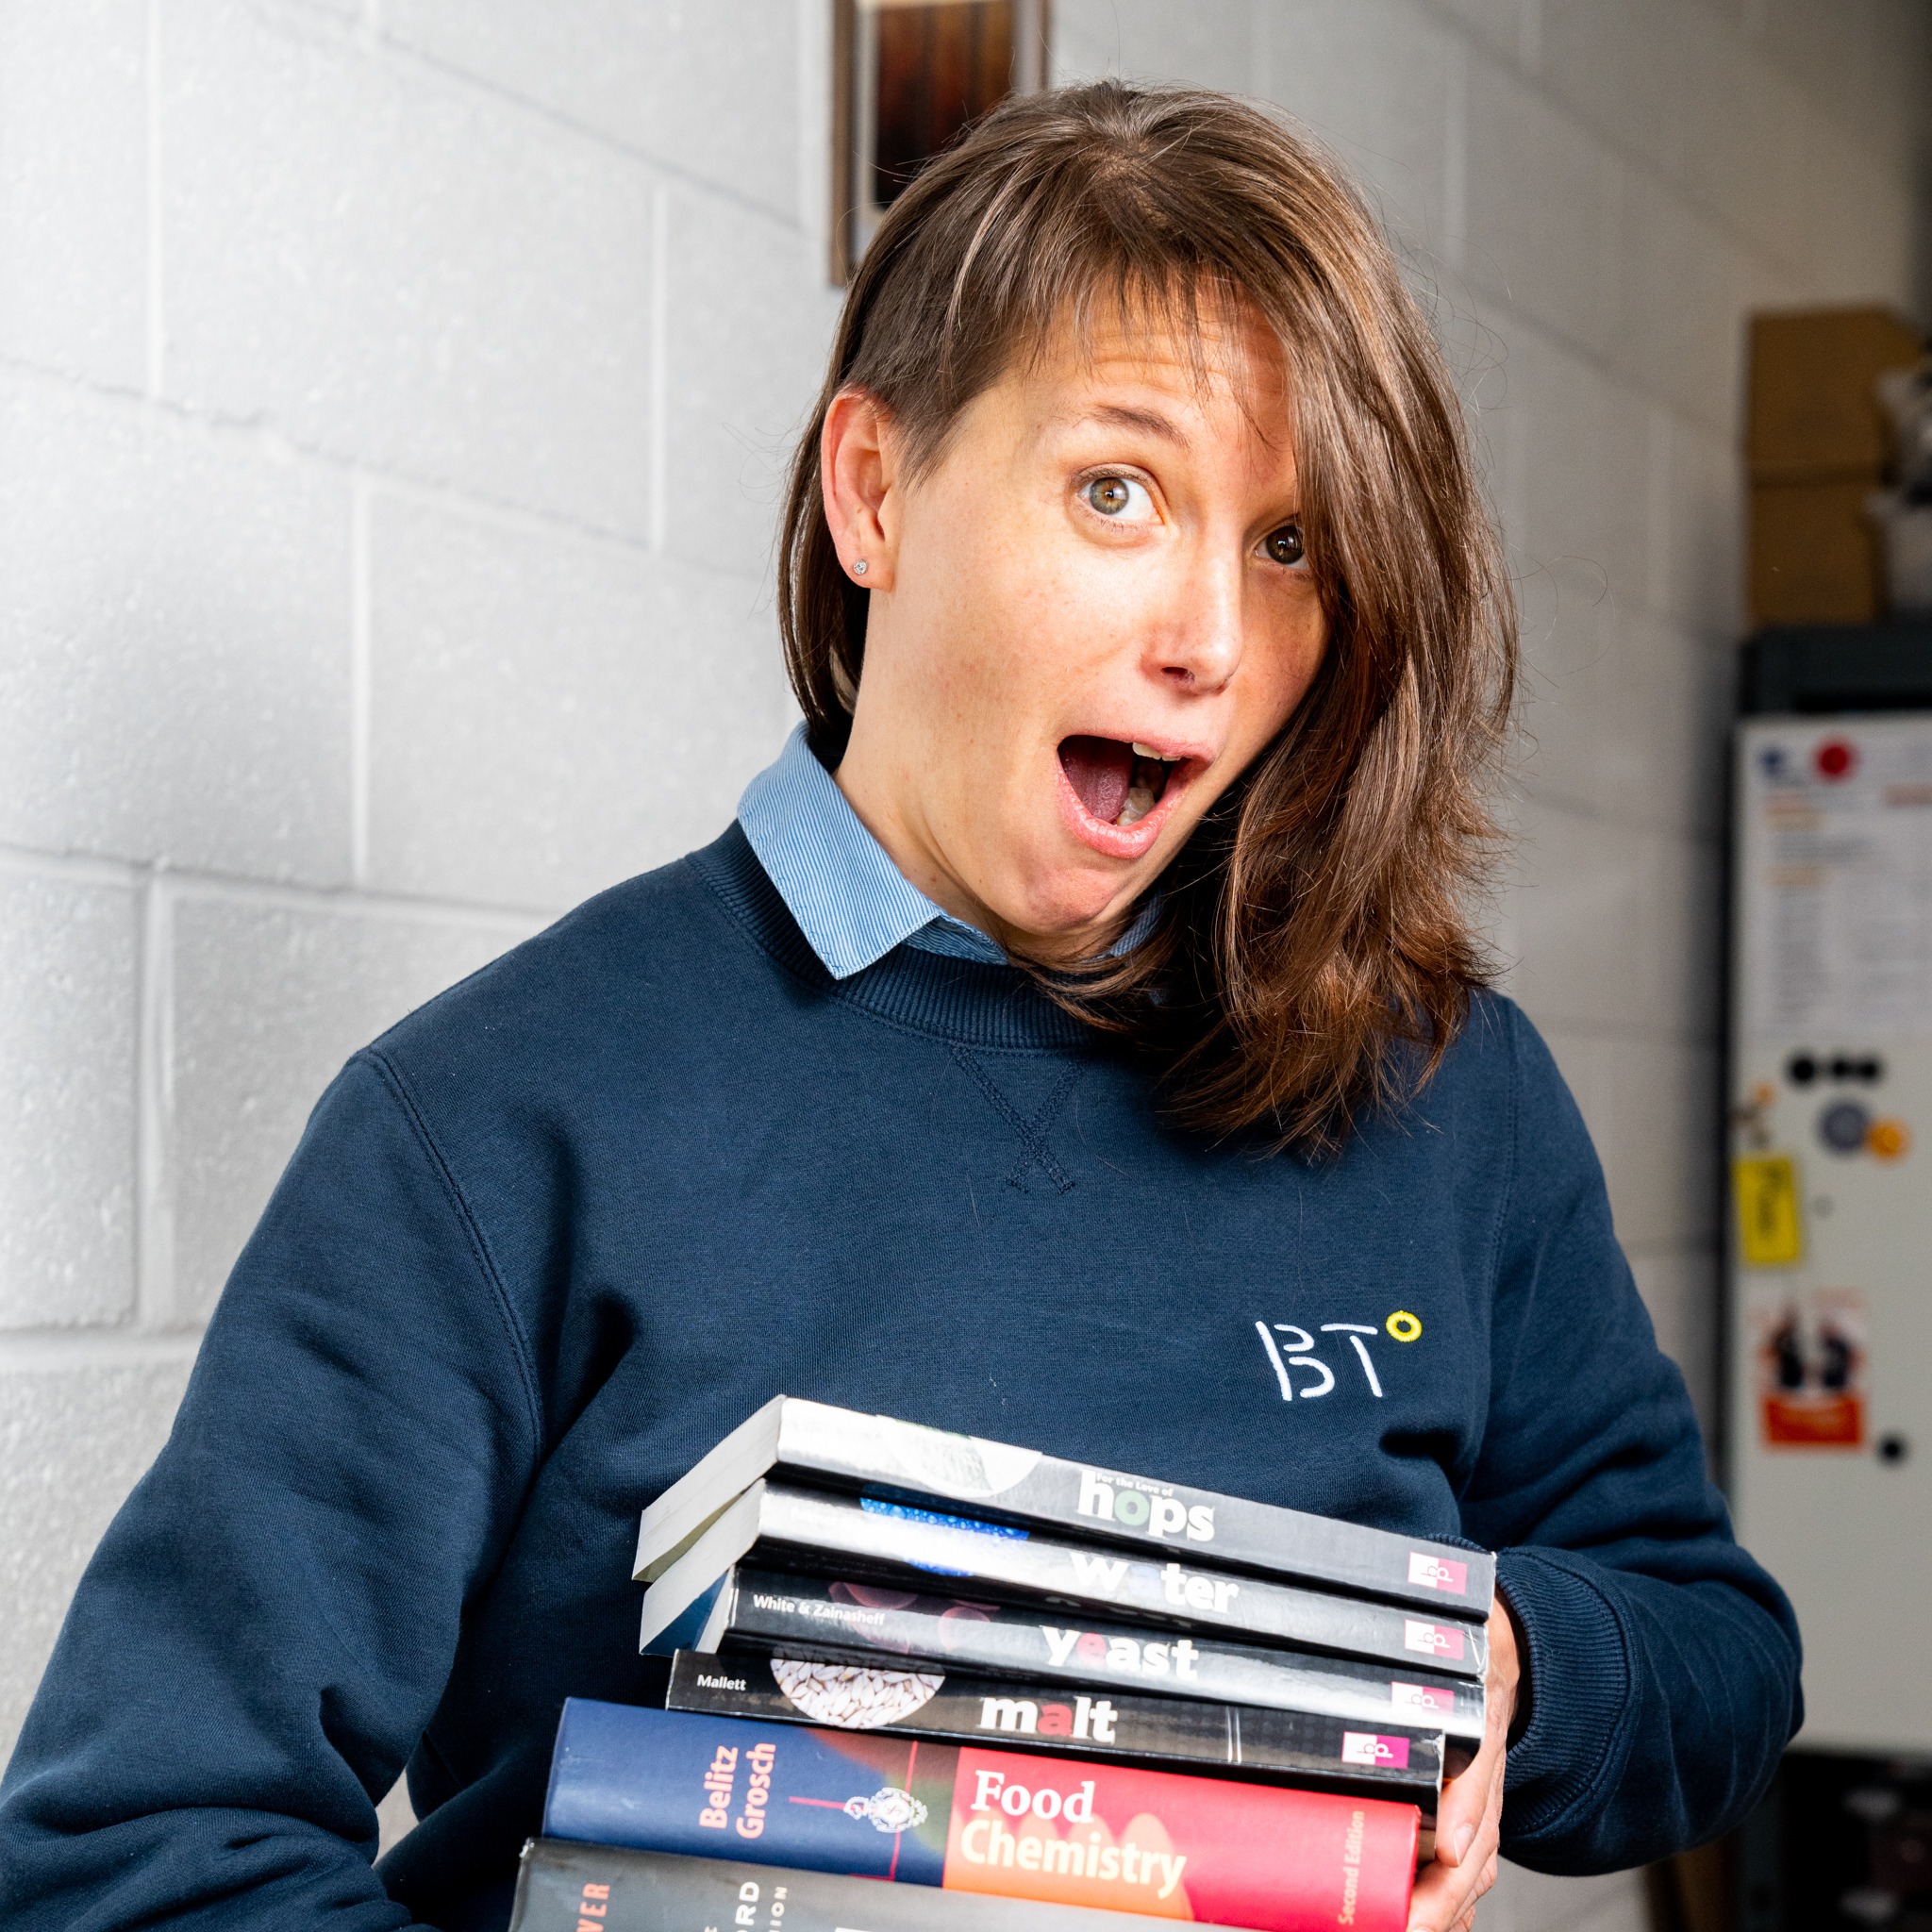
x,y
1296,1350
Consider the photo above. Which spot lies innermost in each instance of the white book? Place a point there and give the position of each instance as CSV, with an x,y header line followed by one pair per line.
x,y
841,1447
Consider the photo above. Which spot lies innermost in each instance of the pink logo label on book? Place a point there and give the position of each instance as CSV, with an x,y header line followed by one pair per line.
x,y
1437,1572
1432,1639
1369,1747
1422,1697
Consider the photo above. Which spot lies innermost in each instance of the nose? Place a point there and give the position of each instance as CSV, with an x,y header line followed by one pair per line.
x,y
1199,649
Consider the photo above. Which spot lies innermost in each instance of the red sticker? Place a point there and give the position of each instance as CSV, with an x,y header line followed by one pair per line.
x,y
1371,1747
1437,1572
1433,1639
1423,1697
1814,1422
1811,1387
1836,757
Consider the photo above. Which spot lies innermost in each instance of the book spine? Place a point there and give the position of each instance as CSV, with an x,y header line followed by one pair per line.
x,y
967,1819
865,1623
1162,1733
813,1525
563,1886
875,1450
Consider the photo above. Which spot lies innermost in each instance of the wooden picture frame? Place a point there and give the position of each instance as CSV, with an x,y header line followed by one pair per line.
x,y
907,74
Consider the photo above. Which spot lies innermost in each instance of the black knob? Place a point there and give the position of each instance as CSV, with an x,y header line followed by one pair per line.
x,y
1894,1448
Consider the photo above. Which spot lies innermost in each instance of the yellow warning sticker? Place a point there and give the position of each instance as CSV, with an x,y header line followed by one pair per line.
x,y
1771,1228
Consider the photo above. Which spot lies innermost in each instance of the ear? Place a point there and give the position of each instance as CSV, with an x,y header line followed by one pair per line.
x,y
857,475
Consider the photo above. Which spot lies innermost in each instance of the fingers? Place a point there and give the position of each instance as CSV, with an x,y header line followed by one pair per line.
x,y
1445,1894
1468,1827
1441,1896
1467,1922
1470,1804
1469,1816
1461,1811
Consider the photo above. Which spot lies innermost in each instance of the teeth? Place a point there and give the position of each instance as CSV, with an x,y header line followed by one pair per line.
x,y
1147,751
1139,803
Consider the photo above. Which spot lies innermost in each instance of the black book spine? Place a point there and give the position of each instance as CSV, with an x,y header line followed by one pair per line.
x,y
838,1535
864,1623
566,1886
1161,1733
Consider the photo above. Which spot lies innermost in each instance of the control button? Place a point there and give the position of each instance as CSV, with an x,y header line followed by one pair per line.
x,y
1835,759
1843,1067
1889,1139
1893,1449
1802,1070
1872,1069
1843,1126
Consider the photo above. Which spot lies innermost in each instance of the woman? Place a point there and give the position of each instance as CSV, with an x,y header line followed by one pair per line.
x,y
1076,1041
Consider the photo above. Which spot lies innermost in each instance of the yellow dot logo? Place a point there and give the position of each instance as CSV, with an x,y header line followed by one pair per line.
x,y
1402,1326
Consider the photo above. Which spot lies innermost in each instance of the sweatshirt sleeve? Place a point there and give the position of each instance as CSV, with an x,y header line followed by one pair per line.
x,y
1662,1661
268,1625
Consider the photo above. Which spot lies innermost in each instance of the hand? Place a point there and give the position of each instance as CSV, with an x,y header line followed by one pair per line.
x,y
1469,1819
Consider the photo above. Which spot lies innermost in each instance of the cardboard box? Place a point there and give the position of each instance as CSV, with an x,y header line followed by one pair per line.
x,y
1814,412
1817,556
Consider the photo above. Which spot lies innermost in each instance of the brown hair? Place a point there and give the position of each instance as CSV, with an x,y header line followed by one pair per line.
x,y
1311,956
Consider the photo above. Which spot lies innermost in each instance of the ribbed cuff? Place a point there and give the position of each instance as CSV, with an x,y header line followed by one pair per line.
x,y
1578,1666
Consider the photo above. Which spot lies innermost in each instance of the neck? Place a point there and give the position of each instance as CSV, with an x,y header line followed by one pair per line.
x,y
889,811
889,805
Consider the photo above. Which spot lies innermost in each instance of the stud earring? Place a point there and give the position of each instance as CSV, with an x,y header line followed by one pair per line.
x,y
860,568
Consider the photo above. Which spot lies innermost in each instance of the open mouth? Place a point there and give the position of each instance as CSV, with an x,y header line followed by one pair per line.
x,y
1119,783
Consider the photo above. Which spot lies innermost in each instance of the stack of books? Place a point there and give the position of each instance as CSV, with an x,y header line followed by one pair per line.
x,y
995,1676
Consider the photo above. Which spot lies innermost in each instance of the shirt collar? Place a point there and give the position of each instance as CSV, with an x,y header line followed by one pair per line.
x,y
851,902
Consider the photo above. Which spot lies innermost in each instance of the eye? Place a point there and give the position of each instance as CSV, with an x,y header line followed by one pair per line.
x,y
1119,498
1285,546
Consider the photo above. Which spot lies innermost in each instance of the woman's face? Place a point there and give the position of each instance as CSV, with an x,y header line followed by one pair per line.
x,y
1087,618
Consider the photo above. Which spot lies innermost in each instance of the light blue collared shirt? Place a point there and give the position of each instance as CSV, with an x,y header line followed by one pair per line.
x,y
851,902
849,899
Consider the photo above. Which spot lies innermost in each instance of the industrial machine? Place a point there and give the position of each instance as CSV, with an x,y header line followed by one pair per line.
x,y
1828,1370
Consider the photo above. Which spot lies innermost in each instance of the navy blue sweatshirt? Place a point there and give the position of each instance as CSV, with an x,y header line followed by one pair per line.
x,y
549,1239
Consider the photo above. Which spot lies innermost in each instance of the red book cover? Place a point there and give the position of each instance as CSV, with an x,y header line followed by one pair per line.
x,y
1172,1846
1054,1830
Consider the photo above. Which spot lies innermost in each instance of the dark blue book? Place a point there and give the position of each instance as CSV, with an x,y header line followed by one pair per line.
x,y
713,1787
966,1819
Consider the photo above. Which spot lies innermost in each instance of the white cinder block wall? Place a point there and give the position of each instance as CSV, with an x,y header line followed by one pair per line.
x,y
392,403
393,394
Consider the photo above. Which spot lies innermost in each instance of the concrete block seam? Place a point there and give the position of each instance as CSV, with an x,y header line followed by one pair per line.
x,y
184,882
153,1239
1481,272
57,1351
166,415
399,54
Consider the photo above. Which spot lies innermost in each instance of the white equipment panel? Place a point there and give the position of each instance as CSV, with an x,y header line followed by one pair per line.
x,y
1830,1348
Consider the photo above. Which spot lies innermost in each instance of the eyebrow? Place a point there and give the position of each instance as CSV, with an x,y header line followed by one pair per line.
x,y
1123,416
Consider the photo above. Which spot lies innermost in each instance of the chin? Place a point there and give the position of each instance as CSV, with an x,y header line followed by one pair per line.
x,y
1059,903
